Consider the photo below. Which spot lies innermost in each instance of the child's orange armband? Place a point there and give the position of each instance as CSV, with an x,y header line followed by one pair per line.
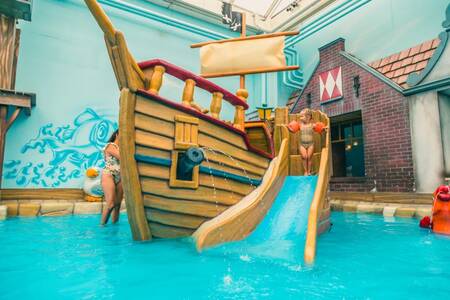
x,y
294,126
319,127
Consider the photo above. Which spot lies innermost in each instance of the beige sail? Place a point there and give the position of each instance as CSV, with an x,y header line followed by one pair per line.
x,y
243,57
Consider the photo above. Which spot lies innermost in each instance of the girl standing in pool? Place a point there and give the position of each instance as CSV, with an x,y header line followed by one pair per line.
x,y
307,128
111,183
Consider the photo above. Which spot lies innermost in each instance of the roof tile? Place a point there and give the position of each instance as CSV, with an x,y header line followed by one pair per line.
x,y
418,57
421,65
386,69
414,50
435,43
393,58
398,66
402,79
407,61
410,68
426,46
389,75
399,72
384,62
375,64
428,54
404,54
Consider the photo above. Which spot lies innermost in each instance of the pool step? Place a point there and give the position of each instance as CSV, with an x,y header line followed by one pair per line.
x,y
386,209
50,208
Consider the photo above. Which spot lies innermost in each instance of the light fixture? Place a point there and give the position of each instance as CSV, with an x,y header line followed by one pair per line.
x,y
356,85
264,112
292,6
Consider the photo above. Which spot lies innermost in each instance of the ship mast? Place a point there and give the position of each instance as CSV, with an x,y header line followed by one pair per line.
x,y
266,55
243,34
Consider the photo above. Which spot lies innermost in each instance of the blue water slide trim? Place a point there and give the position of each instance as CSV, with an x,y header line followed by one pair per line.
x,y
206,170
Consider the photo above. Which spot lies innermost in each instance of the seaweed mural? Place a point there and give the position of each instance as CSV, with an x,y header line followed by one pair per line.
x,y
64,152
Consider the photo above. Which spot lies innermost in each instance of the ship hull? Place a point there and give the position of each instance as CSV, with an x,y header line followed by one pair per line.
x,y
157,132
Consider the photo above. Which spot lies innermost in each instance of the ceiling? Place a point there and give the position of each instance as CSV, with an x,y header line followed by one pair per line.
x,y
262,15
263,8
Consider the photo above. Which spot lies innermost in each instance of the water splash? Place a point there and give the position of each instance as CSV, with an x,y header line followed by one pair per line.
x,y
237,164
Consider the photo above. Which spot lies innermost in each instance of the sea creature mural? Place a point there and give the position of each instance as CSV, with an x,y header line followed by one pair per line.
x,y
61,154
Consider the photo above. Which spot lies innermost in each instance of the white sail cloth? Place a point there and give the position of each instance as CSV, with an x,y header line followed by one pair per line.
x,y
242,57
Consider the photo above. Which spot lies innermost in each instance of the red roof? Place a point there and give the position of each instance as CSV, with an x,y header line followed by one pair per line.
x,y
398,66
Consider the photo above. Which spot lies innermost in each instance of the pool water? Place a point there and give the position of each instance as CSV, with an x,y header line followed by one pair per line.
x,y
363,256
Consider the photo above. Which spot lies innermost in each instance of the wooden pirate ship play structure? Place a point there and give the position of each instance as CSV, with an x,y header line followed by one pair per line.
x,y
187,172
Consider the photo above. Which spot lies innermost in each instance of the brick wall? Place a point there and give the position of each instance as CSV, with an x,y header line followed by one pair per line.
x,y
386,131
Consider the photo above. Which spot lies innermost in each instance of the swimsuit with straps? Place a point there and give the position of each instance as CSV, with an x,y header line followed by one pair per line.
x,y
306,136
112,165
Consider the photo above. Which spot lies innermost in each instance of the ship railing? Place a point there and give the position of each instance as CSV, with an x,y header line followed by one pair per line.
x,y
155,69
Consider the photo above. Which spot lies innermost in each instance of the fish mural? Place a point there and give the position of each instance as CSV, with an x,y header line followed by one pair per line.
x,y
64,152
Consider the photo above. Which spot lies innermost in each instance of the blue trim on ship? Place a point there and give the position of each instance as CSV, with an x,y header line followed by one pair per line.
x,y
203,169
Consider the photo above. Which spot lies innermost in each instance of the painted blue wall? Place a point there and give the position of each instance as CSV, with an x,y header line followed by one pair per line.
x,y
375,30
64,61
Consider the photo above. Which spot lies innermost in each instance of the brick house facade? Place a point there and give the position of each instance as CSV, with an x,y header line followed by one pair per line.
x,y
388,163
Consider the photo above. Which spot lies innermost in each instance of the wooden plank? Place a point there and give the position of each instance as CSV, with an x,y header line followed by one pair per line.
x,y
15,100
247,38
174,219
7,50
130,178
162,172
210,135
250,157
41,194
319,202
251,71
153,140
118,67
147,151
153,125
186,119
219,162
296,165
196,208
257,138
169,232
281,115
294,137
15,59
383,197
234,163
164,143
163,112
161,188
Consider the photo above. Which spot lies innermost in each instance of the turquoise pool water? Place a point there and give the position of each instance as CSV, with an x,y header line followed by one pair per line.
x,y
362,257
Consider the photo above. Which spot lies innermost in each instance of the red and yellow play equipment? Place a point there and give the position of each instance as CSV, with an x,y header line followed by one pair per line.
x,y
441,210
440,220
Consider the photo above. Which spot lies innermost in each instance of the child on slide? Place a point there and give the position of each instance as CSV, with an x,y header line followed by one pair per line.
x,y
306,126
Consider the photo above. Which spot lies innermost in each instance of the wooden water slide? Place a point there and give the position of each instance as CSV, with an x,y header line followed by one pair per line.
x,y
239,221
